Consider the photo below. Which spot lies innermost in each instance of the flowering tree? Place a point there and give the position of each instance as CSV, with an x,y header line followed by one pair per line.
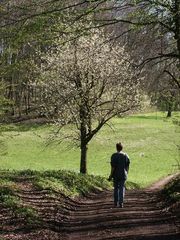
x,y
87,83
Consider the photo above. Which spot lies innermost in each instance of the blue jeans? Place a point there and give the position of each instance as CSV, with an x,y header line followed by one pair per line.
x,y
119,191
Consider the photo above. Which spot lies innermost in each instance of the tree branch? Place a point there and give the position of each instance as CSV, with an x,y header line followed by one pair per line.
x,y
174,79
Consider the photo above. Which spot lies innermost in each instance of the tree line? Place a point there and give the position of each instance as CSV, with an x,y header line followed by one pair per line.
x,y
148,29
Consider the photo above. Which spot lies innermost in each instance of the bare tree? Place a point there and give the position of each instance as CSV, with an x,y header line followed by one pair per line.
x,y
88,83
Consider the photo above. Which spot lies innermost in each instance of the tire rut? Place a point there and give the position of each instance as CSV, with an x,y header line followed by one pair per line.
x,y
142,217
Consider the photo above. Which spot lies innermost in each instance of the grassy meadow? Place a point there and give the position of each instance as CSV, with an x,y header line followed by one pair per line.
x,y
149,139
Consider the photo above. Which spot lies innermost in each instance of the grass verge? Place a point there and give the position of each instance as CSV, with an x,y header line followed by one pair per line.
x,y
172,190
67,182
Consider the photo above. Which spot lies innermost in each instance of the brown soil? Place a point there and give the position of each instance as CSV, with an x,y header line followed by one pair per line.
x,y
94,217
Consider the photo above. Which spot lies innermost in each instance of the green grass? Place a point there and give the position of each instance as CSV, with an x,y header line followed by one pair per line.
x,y
70,183
149,139
67,182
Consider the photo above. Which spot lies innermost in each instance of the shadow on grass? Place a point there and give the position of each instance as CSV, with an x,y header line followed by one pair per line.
x,y
22,127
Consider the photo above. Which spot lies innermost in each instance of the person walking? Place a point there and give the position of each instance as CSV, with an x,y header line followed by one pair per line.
x,y
119,170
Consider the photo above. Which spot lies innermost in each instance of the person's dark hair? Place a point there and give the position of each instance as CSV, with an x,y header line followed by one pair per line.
x,y
119,146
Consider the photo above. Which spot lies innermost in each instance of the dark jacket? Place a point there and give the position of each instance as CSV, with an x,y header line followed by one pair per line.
x,y
120,162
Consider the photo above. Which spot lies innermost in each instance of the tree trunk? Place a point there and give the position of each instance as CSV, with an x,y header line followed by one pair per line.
x,y
169,113
83,164
177,25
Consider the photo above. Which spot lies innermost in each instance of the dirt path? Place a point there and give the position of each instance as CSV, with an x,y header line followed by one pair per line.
x,y
143,217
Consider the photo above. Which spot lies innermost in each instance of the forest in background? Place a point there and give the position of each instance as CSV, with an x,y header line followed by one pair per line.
x,y
29,30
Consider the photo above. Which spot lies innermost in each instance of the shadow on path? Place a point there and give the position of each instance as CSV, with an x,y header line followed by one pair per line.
x,y
94,217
